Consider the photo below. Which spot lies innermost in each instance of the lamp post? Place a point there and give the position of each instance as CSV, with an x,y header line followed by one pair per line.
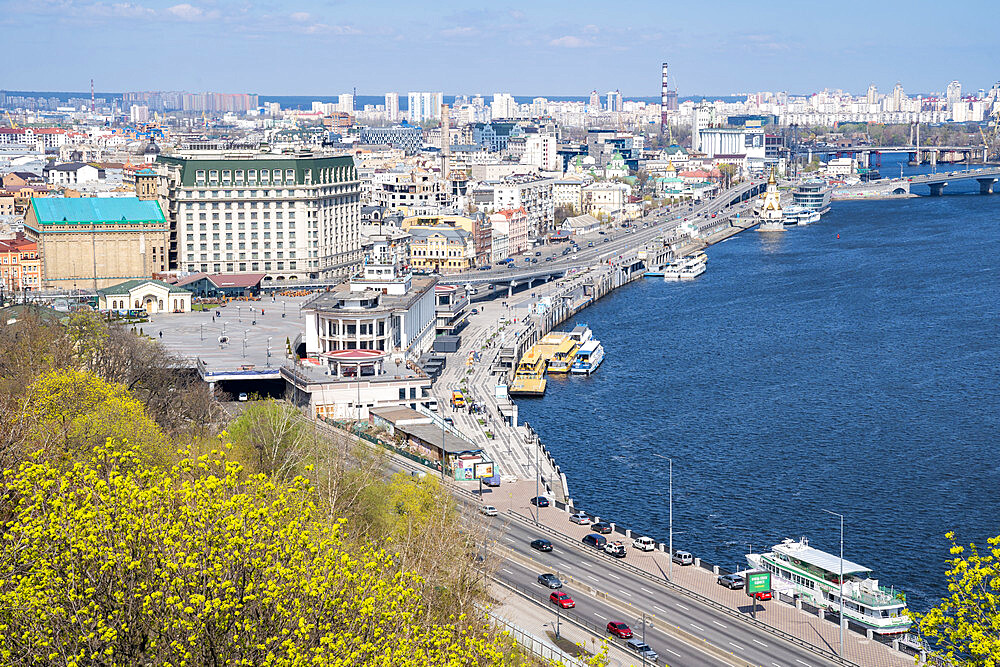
x,y
840,600
269,351
670,502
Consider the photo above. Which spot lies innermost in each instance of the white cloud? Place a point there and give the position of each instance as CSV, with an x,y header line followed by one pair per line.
x,y
570,42
591,29
460,31
187,12
299,16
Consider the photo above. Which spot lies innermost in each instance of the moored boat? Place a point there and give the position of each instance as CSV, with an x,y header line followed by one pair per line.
x,y
588,357
815,576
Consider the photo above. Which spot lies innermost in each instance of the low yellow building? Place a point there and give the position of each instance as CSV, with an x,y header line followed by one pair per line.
x,y
441,249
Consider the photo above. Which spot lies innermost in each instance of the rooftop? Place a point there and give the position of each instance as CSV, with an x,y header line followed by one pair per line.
x,y
60,210
821,559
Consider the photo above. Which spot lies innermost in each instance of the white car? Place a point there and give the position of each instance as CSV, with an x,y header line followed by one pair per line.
x,y
488,510
644,543
580,518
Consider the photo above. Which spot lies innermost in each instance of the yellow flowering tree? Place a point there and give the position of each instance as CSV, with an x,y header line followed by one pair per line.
x,y
73,411
965,627
113,562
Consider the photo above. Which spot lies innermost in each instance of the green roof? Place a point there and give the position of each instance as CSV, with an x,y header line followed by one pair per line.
x,y
123,288
68,211
191,165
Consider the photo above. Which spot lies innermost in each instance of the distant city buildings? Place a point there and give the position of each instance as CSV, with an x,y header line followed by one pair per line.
x,y
423,107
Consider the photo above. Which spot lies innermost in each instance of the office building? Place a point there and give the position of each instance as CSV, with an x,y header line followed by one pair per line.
x,y
287,216
408,137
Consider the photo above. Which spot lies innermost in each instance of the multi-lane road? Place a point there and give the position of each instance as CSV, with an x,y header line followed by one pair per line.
x,y
604,591
607,245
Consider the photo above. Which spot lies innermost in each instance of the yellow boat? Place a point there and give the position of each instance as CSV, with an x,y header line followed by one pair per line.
x,y
529,378
563,355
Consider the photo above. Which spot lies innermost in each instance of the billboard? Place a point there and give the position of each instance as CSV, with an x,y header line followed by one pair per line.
x,y
484,470
758,582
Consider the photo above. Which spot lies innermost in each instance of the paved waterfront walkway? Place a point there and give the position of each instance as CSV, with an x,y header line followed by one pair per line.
x,y
780,615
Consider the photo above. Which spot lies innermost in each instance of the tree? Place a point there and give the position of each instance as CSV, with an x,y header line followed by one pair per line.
x,y
71,412
113,562
278,436
965,627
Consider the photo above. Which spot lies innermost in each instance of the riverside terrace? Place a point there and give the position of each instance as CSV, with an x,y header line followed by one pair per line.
x,y
255,344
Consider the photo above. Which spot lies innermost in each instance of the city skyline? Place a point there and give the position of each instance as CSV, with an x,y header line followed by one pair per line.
x,y
527,50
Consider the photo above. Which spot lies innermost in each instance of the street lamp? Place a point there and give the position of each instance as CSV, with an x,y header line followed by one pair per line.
x,y
269,351
840,600
670,487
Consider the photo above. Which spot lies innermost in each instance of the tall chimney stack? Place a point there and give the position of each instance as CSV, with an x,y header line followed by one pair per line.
x,y
445,140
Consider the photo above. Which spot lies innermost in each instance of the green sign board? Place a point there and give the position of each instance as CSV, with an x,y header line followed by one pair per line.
x,y
758,582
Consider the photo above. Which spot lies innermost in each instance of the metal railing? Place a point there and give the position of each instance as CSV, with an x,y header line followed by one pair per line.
x,y
532,644
692,594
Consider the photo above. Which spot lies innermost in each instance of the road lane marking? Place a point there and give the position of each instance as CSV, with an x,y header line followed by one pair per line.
x,y
625,592
685,608
721,625
658,608
594,578
647,590
757,641
674,652
508,571
614,575
802,663
736,645
599,616
697,627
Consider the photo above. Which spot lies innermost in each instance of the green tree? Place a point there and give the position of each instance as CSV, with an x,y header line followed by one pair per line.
x,y
277,435
964,628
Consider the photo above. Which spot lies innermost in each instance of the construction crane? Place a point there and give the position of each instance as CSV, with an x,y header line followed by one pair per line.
x,y
991,141
10,120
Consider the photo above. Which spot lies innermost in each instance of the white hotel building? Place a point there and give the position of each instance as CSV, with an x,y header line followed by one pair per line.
x,y
288,216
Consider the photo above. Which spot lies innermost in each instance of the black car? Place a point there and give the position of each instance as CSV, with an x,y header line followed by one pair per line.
x,y
602,527
550,580
541,545
548,259
595,540
540,501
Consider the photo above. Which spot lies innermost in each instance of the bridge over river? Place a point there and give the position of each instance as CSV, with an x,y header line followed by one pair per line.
x,y
985,176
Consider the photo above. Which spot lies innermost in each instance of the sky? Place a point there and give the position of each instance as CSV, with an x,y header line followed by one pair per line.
x,y
545,47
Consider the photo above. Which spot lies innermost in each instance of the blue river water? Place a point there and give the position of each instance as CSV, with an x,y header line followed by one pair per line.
x,y
803,372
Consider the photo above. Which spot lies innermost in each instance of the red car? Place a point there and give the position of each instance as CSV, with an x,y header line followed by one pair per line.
x,y
561,599
620,630
763,595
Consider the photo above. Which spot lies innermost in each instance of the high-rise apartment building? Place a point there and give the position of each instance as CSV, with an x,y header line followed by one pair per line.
x,y
614,100
954,92
595,101
424,106
289,216
503,106
872,96
392,107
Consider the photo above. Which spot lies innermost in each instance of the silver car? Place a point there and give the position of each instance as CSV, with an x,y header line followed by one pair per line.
x,y
637,646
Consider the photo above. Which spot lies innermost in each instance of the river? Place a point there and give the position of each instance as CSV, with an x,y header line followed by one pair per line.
x,y
851,365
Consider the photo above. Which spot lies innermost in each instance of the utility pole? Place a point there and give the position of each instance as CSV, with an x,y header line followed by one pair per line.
x,y
840,613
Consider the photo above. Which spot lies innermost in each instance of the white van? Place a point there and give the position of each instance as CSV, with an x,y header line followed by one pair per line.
x,y
644,543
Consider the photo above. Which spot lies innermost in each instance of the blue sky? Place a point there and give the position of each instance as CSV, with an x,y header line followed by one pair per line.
x,y
546,47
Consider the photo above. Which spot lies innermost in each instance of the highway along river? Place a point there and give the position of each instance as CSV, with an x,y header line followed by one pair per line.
x,y
803,372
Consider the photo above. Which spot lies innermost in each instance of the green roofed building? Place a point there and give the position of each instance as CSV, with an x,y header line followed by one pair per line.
x,y
288,216
93,242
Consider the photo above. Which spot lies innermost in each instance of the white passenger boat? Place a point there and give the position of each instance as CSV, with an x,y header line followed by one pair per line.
x,y
588,357
815,576
686,268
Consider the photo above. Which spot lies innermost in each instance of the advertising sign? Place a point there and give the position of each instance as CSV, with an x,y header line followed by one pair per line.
x,y
758,582
484,470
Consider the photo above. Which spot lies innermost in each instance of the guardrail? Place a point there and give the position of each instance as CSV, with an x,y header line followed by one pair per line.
x,y
532,644
760,625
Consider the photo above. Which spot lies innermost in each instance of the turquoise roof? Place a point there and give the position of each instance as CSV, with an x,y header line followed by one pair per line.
x,y
60,210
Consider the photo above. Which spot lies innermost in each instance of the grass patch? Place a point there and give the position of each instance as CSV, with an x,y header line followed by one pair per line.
x,y
567,646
